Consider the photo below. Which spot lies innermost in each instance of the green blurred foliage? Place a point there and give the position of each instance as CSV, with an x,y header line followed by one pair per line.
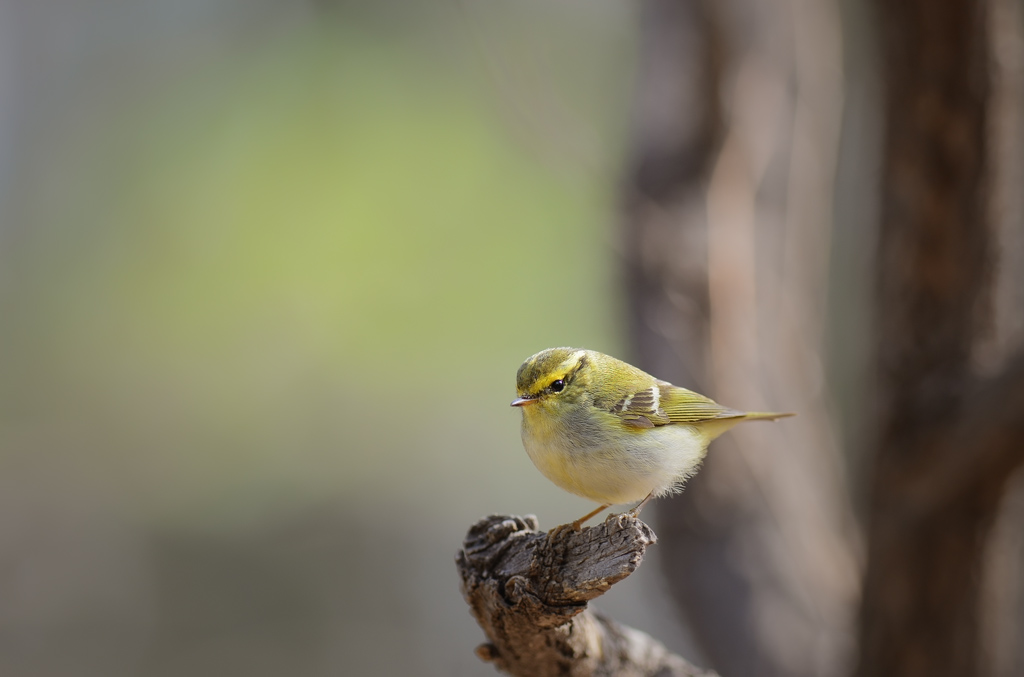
x,y
308,268
267,271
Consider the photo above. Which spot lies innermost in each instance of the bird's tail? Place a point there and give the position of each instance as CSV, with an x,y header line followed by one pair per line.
x,y
766,415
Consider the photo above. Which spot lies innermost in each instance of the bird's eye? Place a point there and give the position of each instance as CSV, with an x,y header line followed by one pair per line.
x,y
557,386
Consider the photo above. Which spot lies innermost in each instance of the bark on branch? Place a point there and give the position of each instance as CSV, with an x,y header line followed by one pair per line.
x,y
529,590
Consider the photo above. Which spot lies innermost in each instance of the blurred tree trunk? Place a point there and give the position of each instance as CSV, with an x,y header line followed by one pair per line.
x,y
949,439
1003,579
725,245
727,212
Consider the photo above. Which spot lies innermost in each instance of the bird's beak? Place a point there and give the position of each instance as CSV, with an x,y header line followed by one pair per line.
x,y
521,401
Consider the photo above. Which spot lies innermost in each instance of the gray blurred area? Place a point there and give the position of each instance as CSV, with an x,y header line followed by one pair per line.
x,y
266,273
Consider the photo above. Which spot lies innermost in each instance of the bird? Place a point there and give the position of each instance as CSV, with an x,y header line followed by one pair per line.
x,y
609,432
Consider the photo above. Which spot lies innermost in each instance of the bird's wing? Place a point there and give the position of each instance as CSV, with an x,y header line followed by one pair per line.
x,y
664,404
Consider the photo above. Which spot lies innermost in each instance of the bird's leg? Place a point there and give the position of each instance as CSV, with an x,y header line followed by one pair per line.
x,y
579,523
635,512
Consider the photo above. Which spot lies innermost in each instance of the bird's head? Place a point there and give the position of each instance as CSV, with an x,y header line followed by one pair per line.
x,y
552,376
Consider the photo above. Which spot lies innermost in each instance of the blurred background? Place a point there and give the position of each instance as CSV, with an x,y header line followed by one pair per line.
x,y
267,271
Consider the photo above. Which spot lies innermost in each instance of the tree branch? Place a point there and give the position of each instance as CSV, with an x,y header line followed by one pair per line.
x,y
529,590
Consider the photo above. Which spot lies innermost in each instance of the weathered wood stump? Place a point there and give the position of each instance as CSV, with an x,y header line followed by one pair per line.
x,y
529,589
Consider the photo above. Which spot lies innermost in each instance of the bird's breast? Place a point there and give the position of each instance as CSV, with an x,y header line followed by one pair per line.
x,y
606,462
556,447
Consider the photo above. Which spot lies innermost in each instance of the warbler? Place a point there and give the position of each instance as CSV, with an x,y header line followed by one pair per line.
x,y
609,432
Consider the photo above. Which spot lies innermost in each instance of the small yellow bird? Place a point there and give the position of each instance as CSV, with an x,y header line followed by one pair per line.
x,y
609,432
